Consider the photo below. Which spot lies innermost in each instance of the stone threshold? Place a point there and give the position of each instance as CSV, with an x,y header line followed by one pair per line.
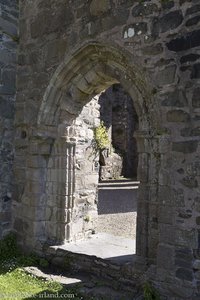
x,y
128,184
104,255
105,246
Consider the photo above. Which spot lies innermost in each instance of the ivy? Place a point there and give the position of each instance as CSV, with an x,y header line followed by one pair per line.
x,y
101,137
150,292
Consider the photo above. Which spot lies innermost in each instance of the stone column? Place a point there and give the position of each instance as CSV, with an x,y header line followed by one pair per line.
x,y
143,194
154,181
60,191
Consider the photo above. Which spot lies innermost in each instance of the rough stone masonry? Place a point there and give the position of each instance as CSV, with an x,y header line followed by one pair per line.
x,y
68,52
8,46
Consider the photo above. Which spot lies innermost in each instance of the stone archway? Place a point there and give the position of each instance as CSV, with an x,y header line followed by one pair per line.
x,y
161,48
53,198
90,70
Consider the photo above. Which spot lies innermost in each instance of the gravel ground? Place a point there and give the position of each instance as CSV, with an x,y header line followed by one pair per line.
x,y
120,224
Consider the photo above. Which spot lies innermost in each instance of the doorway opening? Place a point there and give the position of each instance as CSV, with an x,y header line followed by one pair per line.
x,y
71,177
105,187
117,190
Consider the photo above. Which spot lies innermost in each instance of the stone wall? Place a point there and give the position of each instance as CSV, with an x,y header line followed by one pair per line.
x,y
69,52
8,46
86,172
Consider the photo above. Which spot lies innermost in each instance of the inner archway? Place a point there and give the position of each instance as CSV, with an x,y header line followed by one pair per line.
x,y
89,71
118,115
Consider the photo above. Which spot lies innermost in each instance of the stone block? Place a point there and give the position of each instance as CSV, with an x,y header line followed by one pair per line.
x,y
195,74
6,108
167,234
153,50
166,76
185,237
169,21
176,98
8,27
184,274
185,42
165,257
185,147
144,10
178,116
58,262
135,30
195,98
181,290
166,215
190,182
196,264
7,57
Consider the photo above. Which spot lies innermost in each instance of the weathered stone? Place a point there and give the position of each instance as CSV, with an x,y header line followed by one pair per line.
x,y
196,98
167,4
99,7
170,21
6,108
197,275
190,131
8,82
189,57
185,237
135,30
68,54
186,42
193,21
58,262
177,116
198,220
153,50
184,274
184,254
168,253
197,203
185,214
167,22
176,98
166,76
189,182
192,10
196,264
185,147
183,263
195,71
47,23
144,10
164,62
181,291
8,27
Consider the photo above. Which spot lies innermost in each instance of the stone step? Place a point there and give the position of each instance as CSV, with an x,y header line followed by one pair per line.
x,y
118,184
103,255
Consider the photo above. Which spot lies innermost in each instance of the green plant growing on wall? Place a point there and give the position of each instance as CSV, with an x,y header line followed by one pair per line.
x,y
101,137
87,219
8,247
150,292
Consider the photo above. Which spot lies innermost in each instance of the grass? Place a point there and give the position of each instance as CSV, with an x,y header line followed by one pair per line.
x,y
17,284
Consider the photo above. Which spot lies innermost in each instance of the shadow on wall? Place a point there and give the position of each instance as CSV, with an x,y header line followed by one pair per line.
x,y
113,201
